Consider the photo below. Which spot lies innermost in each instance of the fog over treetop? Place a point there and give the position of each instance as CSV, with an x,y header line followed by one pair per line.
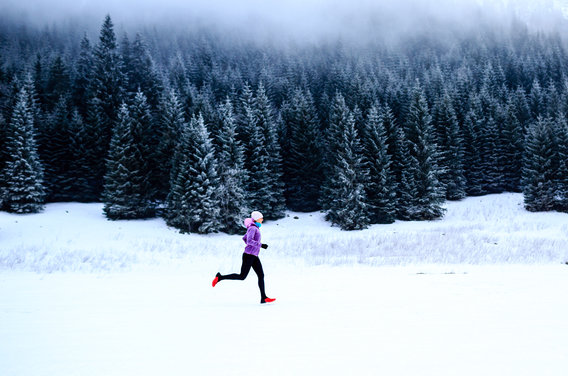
x,y
307,20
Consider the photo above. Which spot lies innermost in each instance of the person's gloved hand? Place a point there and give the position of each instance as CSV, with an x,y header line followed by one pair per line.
x,y
264,246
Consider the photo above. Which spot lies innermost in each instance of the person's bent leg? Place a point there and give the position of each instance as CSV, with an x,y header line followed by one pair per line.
x,y
245,268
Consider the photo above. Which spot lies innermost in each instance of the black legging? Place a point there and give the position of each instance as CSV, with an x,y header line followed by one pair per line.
x,y
248,262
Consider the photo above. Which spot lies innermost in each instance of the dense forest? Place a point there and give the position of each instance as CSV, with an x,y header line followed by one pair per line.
x,y
200,129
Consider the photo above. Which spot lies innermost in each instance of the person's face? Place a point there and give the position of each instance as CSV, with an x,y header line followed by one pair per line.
x,y
260,220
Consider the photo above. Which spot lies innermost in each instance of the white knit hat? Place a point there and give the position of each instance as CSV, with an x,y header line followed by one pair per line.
x,y
256,215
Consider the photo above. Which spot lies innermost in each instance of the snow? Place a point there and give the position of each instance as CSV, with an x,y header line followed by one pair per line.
x,y
481,291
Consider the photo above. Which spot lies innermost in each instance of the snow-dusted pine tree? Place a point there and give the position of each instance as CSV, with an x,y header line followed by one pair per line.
x,y
303,162
57,157
472,154
450,148
232,175
487,111
192,204
172,122
57,84
561,132
3,156
381,186
96,146
398,152
145,135
538,174
82,188
339,114
348,206
83,74
125,183
423,157
23,190
107,80
512,148
258,187
266,122
141,72
256,158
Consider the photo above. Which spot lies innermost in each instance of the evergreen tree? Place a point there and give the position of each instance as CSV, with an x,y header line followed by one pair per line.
x,y
125,194
423,158
246,118
57,157
450,144
303,155
3,136
381,186
538,174
58,83
107,82
561,189
37,82
23,190
193,205
537,101
338,117
3,157
259,188
96,146
472,156
266,121
521,108
397,151
490,143
232,175
83,75
39,119
80,174
146,136
512,150
172,123
348,206
141,72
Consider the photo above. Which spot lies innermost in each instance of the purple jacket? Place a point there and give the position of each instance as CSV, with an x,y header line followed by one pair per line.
x,y
252,240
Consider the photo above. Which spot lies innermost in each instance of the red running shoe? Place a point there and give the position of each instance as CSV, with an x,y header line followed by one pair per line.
x,y
267,300
216,280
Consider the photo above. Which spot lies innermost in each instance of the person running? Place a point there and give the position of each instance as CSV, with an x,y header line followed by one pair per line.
x,y
250,256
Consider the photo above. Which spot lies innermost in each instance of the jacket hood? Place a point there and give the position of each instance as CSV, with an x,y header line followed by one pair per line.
x,y
249,222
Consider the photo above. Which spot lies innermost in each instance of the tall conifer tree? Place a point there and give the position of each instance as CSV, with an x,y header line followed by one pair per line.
x,y
450,148
538,174
107,81
348,207
266,123
423,158
83,74
23,190
126,185
303,155
172,123
232,175
339,115
146,136
81,189
193,204
561,132
381,186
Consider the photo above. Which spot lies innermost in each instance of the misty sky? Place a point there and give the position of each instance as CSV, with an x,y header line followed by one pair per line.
x,y
296,18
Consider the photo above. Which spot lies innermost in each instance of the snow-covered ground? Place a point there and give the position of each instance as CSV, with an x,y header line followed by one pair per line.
x,y
480,292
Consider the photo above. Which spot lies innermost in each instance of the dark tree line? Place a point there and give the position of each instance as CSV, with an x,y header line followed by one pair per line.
x,y
203,130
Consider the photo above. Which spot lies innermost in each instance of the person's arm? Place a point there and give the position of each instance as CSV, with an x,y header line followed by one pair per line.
x,y
250,238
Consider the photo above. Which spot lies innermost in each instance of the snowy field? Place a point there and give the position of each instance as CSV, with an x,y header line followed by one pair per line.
x,y
480,292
